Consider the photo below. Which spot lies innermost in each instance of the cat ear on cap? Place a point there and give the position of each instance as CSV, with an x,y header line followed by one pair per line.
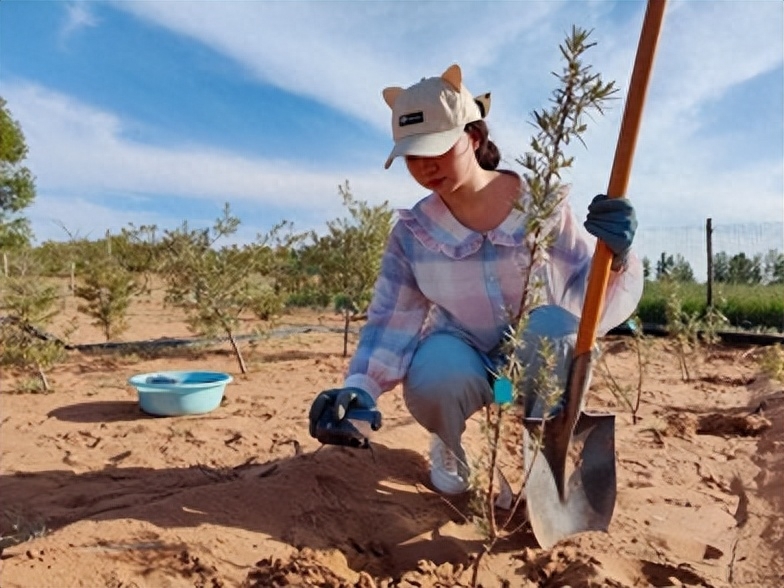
x,y
390,95
453,76
483,102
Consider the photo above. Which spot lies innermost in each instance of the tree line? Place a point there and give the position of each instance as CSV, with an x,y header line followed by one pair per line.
x,y
759,269
215,284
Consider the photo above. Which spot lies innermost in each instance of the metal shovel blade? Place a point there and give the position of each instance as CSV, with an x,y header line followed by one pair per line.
x,y
565,498
570,458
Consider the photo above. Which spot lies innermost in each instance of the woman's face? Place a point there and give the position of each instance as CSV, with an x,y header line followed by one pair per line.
x,y
445,173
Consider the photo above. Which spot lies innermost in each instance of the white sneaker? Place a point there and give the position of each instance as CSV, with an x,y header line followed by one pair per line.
x,y
444,473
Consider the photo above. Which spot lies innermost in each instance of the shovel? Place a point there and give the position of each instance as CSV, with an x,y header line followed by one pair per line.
x,y
571,485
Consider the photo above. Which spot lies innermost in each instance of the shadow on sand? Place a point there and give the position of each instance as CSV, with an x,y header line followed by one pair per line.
x,y
371,505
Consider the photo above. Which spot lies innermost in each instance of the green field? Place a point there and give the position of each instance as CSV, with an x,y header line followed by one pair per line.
x,y
758,308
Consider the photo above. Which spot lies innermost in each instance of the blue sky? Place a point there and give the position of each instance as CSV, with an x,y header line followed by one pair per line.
x,y
157,112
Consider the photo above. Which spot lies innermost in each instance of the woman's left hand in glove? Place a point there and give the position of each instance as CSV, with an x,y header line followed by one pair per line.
x,y
614,221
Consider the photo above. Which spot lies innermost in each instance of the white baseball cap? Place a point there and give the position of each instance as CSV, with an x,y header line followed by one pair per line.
x,y
429,117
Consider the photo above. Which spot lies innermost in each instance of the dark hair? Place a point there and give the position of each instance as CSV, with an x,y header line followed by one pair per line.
x,y
487,154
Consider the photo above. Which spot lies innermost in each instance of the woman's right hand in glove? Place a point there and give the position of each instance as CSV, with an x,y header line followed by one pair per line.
x,y
332,406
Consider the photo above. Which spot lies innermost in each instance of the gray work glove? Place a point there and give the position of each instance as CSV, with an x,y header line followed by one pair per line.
x,y
614,222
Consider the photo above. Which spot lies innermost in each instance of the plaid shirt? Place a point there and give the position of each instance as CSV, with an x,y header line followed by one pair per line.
x,y
439,276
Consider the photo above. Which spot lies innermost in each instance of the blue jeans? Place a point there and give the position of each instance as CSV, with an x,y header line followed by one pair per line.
x,y
447,381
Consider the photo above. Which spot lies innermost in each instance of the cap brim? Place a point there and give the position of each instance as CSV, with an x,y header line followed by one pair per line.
x,y
426,145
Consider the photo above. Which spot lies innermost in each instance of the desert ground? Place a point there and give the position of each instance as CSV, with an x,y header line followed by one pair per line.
x,y
96,493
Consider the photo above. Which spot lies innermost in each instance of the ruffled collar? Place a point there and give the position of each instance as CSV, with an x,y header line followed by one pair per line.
x,y
434,225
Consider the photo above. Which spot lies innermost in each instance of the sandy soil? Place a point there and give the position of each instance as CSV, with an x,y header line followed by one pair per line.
x,y
96,493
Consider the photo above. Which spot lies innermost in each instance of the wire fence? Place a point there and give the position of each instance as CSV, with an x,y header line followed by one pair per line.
x,y
691,242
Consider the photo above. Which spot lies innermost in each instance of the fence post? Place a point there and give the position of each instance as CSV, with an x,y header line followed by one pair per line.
x,y
709,239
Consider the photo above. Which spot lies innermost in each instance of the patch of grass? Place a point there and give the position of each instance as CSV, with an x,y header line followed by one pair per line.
x,y
772,362
30,385
759,308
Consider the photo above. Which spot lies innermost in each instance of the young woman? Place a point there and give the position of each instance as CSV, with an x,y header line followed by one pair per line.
x,y
452,276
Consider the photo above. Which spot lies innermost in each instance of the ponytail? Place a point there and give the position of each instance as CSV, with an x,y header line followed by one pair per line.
x,y
487,154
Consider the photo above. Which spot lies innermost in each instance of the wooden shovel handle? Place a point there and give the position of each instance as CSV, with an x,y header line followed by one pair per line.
x,y
619,176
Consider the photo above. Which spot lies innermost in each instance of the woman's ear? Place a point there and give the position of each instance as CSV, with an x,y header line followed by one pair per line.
x,y
474,138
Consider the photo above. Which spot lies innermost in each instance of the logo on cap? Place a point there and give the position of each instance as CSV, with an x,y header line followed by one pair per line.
x,y
412,118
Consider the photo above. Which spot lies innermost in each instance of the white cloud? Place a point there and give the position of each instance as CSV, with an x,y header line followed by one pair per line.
x,y
708,47
343,53
73,147
83,162
342,56
60,218
680,174
78,16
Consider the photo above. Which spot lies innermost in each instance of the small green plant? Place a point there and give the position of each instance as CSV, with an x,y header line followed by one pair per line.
x,y
712,322
772,362
137,249
265,303
108,289
683,328
30,385
29,304
691,332
349,256
580,92
216,286
627,395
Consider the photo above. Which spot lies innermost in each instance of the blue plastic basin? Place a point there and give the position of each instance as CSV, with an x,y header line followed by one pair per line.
x,y
179,393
